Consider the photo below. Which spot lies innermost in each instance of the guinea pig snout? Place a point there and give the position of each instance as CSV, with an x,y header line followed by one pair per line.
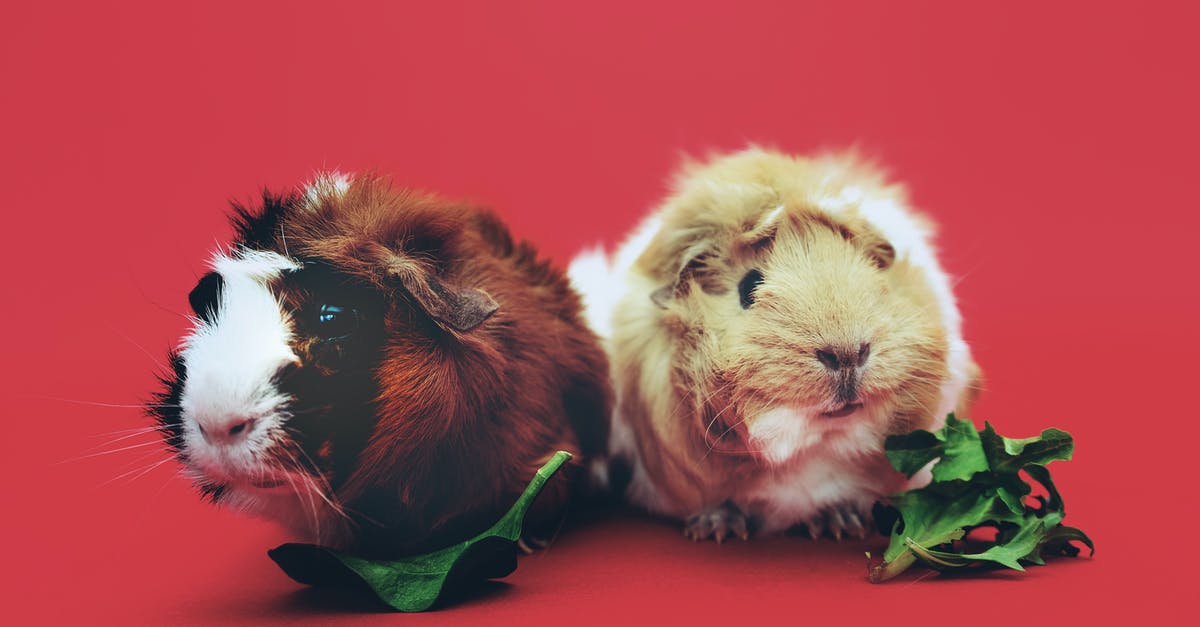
x,y
230,410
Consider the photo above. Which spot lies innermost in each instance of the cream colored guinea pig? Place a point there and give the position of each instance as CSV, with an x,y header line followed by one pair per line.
x,y
768,327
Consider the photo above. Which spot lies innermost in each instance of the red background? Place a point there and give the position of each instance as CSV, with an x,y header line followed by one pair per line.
x,y
1055,145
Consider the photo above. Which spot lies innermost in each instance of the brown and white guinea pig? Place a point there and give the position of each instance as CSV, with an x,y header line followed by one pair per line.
x,y
768,327
381,370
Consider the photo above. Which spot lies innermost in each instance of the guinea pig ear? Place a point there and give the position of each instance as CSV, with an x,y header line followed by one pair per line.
x,y
454,307
699,267
877,248
662,296
763,232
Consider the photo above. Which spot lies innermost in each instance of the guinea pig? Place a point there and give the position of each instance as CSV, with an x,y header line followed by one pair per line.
x,y
381,370
768,327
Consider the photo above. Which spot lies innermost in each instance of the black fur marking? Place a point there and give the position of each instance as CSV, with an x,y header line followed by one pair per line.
x,y
258,228
206,296
164,404
332,411
620,474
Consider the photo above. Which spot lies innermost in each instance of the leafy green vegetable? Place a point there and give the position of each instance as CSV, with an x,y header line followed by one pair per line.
x,y
977,483
415,584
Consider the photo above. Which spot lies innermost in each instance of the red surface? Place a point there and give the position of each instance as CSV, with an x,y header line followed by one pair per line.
x,y
1055,144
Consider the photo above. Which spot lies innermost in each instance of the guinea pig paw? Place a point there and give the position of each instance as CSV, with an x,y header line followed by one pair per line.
x,y
844,520
720,522
530,545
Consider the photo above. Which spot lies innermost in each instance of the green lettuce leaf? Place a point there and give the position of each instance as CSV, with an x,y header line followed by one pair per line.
x,y
417,583
977,482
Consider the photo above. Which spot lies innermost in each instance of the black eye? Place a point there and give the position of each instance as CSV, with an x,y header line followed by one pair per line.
x,y
746,287
205,297
335,322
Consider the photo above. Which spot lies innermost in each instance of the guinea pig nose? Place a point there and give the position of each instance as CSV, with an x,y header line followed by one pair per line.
x,y
864,351
240,427
227,432
839,357
829,358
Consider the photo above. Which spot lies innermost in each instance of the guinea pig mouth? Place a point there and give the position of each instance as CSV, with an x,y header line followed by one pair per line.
x,y
843,411
250,480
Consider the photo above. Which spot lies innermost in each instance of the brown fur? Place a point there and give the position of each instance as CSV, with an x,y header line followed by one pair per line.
x,y
486,371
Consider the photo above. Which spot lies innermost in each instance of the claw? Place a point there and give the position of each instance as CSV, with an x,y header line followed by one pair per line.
x,y
719,523
856,527
824,525
837,524
525,548
530,545
839,521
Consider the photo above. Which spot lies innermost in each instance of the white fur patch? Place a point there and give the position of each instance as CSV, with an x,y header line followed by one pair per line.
x,y
592,279
331,184
602,282
779,433
231,362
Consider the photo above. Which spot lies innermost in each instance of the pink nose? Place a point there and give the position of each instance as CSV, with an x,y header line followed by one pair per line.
x,y
228,431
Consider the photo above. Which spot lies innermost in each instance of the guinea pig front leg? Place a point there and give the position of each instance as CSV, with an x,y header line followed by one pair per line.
x,y
720,522
839,520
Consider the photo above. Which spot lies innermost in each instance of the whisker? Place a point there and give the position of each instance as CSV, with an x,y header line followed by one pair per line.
x,y
153,359
283,236
319,490
140,460
323,488
312,464
712,446
116,450
305,411
312,505
157,494
724,433
140,471
133,279
134,435
134,431
100,404
321,493
707,400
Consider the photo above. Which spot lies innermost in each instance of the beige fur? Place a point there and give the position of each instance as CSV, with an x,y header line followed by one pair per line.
x,y
718,403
